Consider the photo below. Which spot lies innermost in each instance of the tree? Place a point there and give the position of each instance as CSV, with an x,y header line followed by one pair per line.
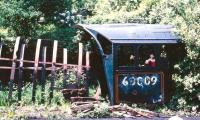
x,y
19,17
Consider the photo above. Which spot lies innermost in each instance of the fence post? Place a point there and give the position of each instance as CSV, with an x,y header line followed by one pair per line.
x,y
87,60
12,74
55,45
20,81
64,67
37,54
1,45
43,76
87,70
80,59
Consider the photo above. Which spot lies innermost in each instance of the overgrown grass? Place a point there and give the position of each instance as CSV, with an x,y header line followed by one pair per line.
x,y
27,95
26,109
26,99
4,97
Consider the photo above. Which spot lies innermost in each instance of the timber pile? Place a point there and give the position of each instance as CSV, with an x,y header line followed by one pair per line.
x,y
126,111
85,105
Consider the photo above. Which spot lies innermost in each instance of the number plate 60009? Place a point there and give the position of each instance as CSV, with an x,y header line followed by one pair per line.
x,y
141,86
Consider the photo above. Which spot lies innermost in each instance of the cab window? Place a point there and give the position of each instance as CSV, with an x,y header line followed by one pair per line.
x,y
137,56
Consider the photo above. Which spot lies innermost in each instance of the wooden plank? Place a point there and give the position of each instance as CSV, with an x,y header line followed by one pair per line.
x,y
73,90
83,99
43,70
37,54
53,71
87,72
55,48
87,60
10,59
80,60
5,67
64,67
65,58
20,72
1,45
12,74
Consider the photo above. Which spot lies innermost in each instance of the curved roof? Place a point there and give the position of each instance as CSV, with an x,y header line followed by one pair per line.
x,y
133,33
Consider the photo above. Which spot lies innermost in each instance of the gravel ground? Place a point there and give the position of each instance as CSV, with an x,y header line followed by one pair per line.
x,y
137,118
61,113
142,118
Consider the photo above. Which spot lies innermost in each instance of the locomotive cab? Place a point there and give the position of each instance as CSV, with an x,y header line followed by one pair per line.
x,y
135,59
140,73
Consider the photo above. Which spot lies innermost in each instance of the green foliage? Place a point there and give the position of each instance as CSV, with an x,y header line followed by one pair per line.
x,y
53,112
184,15
187,95
19,16
58,98
41,18
112,12
3,32
50,7
45,19
4,96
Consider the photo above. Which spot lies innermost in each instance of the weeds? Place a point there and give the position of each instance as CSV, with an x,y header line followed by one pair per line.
x,y
57,99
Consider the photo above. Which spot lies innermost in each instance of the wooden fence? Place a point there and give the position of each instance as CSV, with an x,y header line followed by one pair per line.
x,y
18,64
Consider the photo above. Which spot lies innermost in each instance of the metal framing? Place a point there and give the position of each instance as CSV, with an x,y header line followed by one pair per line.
x,y
40,66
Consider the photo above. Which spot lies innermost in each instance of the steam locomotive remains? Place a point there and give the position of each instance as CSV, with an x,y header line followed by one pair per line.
x,y
135,59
